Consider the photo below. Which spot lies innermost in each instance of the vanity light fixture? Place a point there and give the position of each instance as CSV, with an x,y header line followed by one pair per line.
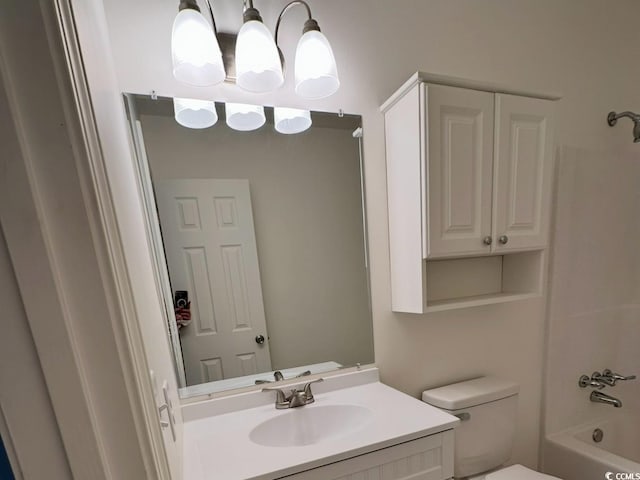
x,y
198,59
192,113
291,120
258,65
244,117
196,55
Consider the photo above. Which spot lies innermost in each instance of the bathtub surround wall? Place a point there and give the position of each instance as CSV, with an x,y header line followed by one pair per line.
x,y
593,304
569,47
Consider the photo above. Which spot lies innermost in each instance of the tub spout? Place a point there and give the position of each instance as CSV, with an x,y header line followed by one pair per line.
x,y
600,397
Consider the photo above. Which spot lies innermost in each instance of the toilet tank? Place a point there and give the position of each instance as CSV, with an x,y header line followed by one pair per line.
x,y
487,408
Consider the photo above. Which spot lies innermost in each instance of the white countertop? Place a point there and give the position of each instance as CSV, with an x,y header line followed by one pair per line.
x,y
218,447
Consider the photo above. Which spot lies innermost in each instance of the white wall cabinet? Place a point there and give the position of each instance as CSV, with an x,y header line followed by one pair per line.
x,y
428,458
469,169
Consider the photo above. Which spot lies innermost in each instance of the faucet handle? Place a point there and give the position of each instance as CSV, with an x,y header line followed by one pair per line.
x,y
603,378
307,389
584,382
281,401
616,376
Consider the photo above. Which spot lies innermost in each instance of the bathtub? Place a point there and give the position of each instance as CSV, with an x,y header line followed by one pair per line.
x,y
574,455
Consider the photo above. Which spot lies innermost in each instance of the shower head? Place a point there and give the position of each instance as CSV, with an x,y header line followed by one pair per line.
x,y
613,117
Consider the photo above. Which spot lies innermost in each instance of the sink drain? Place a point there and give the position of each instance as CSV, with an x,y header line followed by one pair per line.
x,y
597,435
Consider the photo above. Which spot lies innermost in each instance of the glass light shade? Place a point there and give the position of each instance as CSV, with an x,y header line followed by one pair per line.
x,y
258,67
243,117
291,120
193,113
196,55
316,73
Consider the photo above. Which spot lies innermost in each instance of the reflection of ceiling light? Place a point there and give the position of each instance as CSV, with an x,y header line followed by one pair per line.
x,y
193,113
243,117
197,59
291,120
196,55
258,67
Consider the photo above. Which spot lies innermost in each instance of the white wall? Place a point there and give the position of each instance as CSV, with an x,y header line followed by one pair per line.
x,y
582,48
305,195
52,216
109,116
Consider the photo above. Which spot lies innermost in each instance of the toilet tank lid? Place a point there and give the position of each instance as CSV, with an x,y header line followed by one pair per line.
x,y
470,393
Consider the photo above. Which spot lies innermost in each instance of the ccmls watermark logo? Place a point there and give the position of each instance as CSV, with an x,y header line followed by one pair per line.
x,y
622,476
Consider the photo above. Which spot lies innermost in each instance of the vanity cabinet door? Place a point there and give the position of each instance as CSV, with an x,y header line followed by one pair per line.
x,y
428,458
523,168
459,138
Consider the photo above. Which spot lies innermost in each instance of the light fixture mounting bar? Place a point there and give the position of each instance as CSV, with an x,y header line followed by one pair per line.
x,y
213,19
227,43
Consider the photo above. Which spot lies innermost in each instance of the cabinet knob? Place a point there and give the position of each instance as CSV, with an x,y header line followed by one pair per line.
x,y
487,240
503,239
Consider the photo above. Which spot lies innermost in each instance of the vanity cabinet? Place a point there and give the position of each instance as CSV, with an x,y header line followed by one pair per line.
x,y
427,458
469,170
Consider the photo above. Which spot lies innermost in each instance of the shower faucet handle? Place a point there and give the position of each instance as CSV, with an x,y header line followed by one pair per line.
x,y
603,379
584,381
616,376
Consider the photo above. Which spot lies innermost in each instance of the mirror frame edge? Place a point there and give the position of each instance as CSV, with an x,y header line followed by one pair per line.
x,y
161,276
163,285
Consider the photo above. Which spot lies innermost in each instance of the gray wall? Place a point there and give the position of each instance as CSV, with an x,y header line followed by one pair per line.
x,y
305,195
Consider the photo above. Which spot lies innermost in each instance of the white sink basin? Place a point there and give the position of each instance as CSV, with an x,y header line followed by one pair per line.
x,y
310,425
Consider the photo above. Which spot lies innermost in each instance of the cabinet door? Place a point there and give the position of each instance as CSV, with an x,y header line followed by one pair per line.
x,y
427,458
522,177
459,158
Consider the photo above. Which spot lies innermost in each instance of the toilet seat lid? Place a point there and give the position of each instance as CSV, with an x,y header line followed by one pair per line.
x,y
518,472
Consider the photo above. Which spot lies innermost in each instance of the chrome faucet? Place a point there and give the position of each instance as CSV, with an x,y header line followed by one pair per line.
x,y
600,380
277,375
600,397
296,398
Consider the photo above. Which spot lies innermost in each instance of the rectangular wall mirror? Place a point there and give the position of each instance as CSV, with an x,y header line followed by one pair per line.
x,y
260,246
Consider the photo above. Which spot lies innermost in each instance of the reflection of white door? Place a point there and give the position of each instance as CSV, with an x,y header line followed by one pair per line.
x,y
209,238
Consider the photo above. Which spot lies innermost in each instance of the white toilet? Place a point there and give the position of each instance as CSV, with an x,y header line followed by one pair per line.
x,y
487,408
